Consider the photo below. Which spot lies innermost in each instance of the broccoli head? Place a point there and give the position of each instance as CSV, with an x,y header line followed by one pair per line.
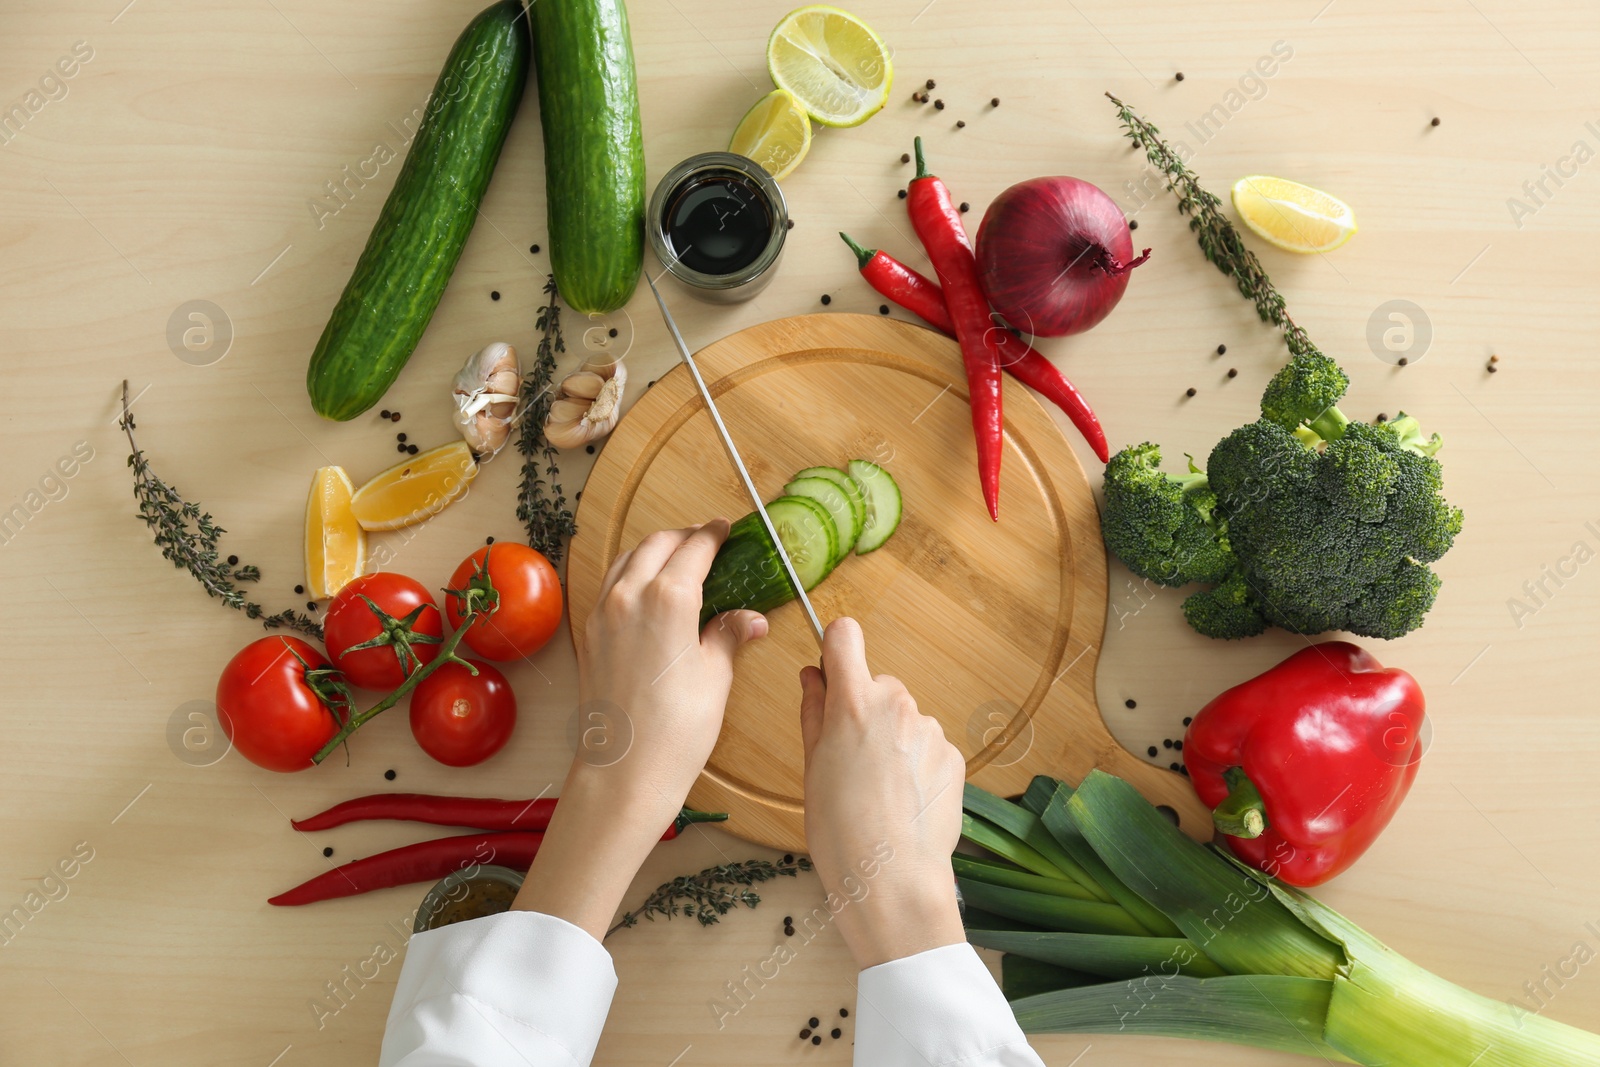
x,y
1162,525
1226,610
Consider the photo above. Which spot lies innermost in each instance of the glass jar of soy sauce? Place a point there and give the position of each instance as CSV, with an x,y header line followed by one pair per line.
x,y
717,223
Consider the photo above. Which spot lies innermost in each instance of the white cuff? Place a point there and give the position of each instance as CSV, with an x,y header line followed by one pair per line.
x,y
939,1008
506,989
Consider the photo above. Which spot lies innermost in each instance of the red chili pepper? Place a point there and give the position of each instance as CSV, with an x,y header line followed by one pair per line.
x,y
425,861
910,289
481,813
922,296
938,225
1305,764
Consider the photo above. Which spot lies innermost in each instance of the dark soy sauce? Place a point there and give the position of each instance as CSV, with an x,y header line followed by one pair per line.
x,y
717,222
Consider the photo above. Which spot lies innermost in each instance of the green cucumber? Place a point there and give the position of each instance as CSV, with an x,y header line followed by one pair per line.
x,y
827,493
593,150
883,504
419,235
747,572
858,503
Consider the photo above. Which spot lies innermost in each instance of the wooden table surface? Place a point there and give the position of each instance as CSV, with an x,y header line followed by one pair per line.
x,y
188,159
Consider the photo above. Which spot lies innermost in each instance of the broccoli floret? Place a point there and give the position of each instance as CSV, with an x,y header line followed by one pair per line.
x,y
1317,533
1306,392
1161,525
1224,611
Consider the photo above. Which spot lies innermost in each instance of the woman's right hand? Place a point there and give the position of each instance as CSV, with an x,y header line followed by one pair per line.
x,y
883,804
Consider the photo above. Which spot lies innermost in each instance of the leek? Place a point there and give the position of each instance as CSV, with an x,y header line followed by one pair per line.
x,y
1238,956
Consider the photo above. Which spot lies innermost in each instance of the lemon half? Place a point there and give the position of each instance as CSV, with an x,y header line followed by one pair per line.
x,y
775,133
1291,216
832,62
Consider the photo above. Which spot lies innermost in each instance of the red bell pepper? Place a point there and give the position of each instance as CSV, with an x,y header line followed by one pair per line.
x,y
1305,764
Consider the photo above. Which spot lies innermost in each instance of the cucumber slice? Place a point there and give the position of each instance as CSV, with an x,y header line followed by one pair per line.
x,y
883,504
809,535
827,493
858,503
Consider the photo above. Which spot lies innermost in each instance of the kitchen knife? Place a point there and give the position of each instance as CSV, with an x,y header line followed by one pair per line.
x,y
738,463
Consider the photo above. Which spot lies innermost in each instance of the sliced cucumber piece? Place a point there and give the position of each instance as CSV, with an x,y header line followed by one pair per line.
x,y
882,495
747,572
858,503
829,495
809,535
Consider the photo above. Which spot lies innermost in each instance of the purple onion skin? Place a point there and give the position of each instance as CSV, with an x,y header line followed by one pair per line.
x,y
1054,255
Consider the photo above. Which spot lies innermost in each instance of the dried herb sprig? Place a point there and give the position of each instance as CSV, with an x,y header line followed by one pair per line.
x,y
541,506
188,537
713,892
1219,239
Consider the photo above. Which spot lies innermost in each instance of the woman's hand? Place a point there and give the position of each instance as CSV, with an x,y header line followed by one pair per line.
x,y
652,686
883,804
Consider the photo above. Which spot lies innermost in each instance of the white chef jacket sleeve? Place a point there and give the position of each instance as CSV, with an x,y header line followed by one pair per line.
x,y
939,1008
505,990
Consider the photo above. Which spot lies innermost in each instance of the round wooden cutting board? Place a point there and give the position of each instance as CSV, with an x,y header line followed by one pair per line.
x,y
994,627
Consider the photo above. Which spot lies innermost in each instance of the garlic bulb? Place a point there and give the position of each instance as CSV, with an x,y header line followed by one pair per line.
x,y
485,393
587,405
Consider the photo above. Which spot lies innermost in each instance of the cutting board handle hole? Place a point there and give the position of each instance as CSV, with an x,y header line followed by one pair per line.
x,y
1170,812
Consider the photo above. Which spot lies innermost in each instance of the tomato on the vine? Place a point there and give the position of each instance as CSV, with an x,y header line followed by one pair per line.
x,y
397,648
460,718
268,707
528,607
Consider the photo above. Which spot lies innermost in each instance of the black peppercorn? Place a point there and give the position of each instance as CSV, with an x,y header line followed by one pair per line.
x,y
816,1040
589,449
1133,224
1233,372
844,1013
611,332
389,775
931,84
411,449
650,383
916,95
311,605
788,857
961,124
1435,122
1403,361
1381,417
1187,719
905,157
965,207
1177,746
938,105
489,540
399,448
883,309
1189,391
804,1034
1175,766
826,299
383,414
494,294
814,1022
1222,350
1491,368
1178,76
1152,750
1166,742
994,101
788,920
394,416
788,224
299,589
836,1033
400,436
328,851
233,561
534,249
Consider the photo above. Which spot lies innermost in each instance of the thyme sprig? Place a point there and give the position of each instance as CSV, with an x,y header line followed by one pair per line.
x,y
713,892
1219,239
188,537
541,506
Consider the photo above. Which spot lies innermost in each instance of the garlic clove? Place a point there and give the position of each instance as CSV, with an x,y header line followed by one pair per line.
x,y
568,409
586,384
484,392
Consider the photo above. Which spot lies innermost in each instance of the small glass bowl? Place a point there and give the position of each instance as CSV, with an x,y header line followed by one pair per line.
x,y
749,280
442,905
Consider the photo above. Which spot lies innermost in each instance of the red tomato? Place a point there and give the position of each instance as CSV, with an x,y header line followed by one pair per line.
x,y
351,622
460,719
266,708
530,601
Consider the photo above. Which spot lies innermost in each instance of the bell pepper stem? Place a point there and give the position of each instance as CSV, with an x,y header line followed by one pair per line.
x,y
1242,813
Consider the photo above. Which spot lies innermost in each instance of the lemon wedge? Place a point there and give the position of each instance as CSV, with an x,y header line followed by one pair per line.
x,y
775,133
415,488
1291,216
336,545
836,67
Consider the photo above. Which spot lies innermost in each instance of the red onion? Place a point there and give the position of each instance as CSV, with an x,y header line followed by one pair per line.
x,y
1054,255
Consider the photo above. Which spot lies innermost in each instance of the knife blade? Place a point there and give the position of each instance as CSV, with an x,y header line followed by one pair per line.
x,y
738,462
